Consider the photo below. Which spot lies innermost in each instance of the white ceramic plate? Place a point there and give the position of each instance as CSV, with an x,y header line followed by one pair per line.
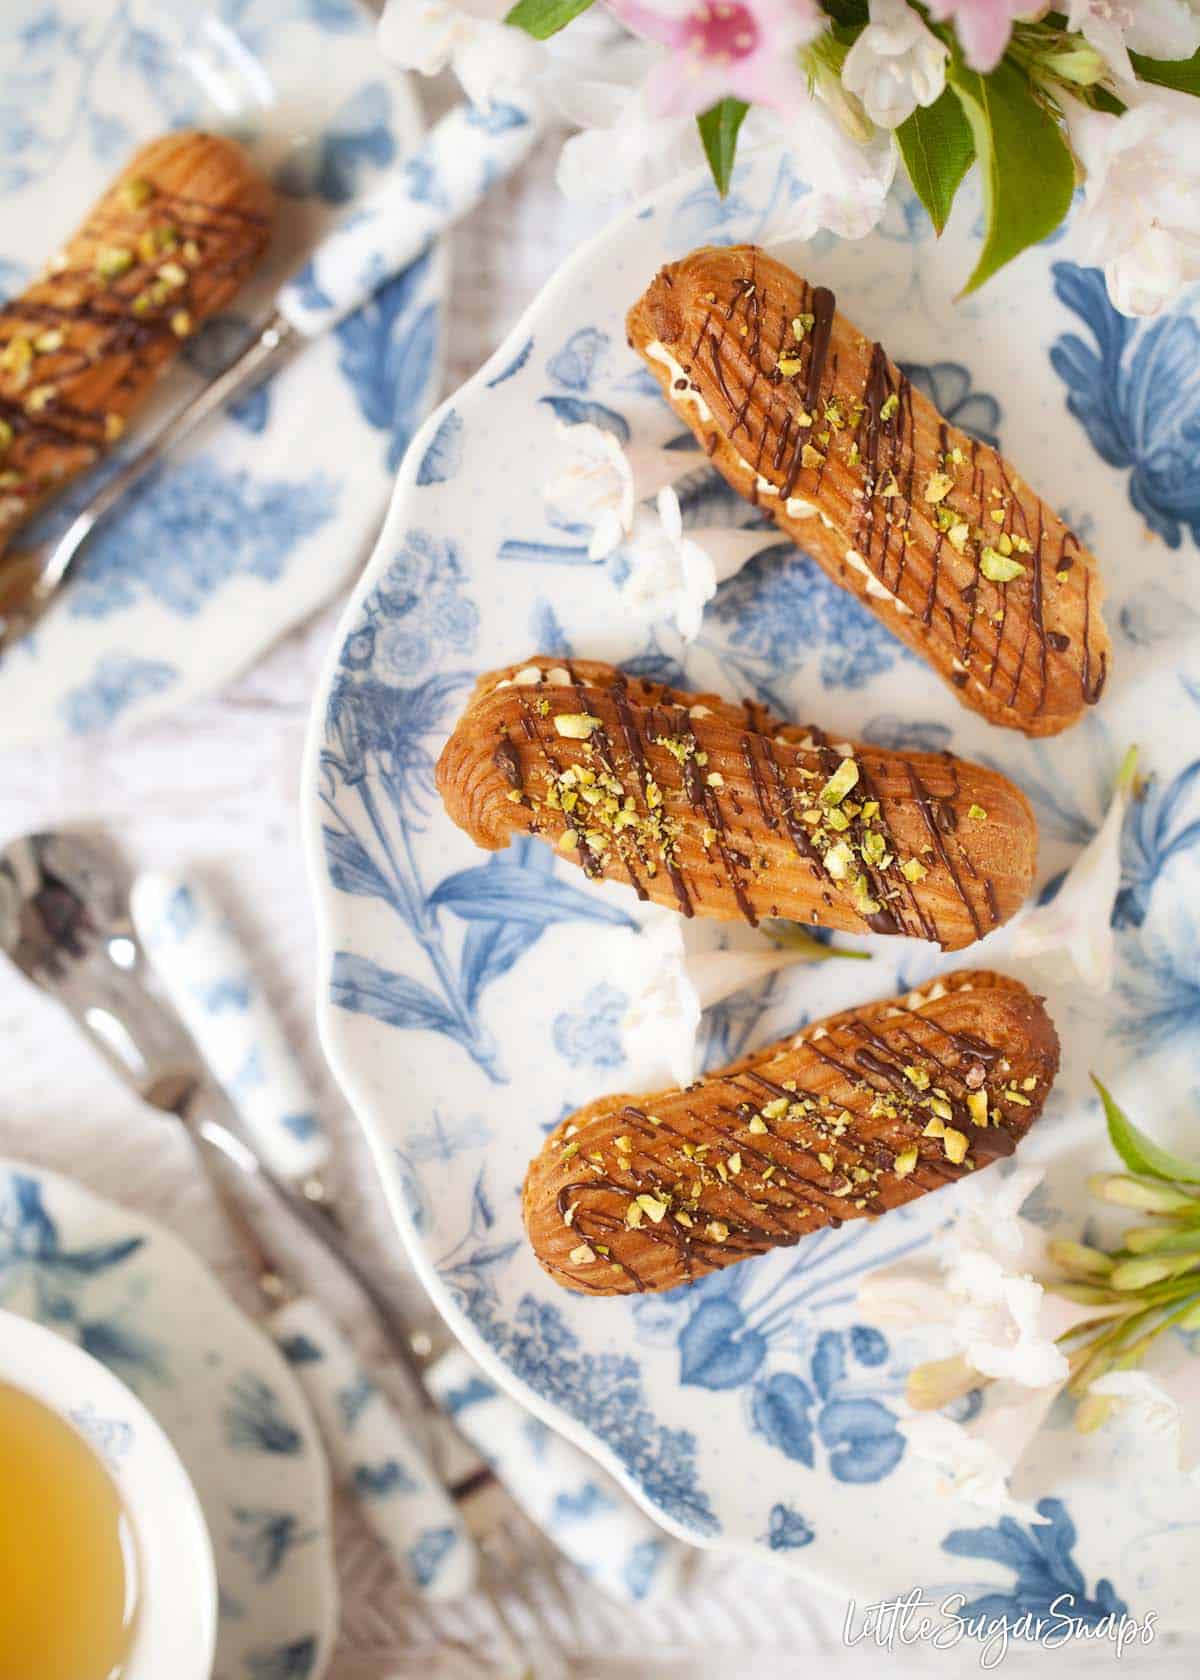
x,y
272,507
471,999
136,1299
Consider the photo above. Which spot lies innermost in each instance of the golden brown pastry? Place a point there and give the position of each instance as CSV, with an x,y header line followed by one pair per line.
x,y
170,242
719,810
932,530
852,1116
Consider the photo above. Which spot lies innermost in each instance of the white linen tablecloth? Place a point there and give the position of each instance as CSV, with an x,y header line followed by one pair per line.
x,y
215,788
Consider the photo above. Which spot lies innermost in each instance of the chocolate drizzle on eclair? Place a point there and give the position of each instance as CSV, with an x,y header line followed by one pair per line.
x,y
848,1119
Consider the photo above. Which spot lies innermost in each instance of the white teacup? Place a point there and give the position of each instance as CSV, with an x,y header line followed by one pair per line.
x,y
176,1627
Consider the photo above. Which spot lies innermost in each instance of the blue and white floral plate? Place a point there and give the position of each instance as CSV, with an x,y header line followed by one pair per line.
x,y
273,506
135,1298
470,1000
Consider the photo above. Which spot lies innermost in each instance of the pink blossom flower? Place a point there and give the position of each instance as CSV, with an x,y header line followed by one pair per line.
x,y
982,26
745,48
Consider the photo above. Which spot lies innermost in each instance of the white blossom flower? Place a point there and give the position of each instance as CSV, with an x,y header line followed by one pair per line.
x,y
675,986
986,1307
1141,209
624,147
1151,1412
593,486
1077,923
672,574
974,1467
848,177
896,64
469,36
1158,28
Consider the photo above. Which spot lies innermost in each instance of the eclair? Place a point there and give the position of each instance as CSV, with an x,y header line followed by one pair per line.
x,y
720,810
177,233
853,1116
931,529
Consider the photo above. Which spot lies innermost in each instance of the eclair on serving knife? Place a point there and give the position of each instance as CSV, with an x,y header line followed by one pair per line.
x,y
719,810
933,530
851,1117
171,241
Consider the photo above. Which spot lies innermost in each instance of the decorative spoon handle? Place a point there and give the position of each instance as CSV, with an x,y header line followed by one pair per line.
x,y
200,964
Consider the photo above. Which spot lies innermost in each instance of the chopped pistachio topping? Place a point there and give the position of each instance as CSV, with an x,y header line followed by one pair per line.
x,y
977,813
826,1161
890,404
112,261
717,1230
181,323
838,860
652,1208
905,1162
810,457
17,355
788,365
583,1255
977,1107
801,324
173,275
913,869
938,486
776,1108
137,191
998,568
757,1125
51,339
840,783
935,1128
917,1076
6,434
575,726
40,397
633,1216
955,1145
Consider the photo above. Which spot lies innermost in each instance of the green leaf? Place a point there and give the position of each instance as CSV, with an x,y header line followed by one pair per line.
x,y
719,131
1028,174
1183,74
543,18
1140,1153
938,148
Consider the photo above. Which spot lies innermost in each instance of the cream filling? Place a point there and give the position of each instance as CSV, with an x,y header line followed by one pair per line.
x,y
855,560
530,675
659,353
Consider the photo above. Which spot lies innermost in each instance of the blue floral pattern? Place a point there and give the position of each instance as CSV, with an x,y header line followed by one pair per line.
x,y
591,1036
791,1405
119,681
131,1296
58,1280
806,1388
184,532
780,611
378,762
1047,1578
1138,396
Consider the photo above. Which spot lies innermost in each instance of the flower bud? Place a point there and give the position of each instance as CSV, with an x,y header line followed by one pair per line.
x,y
1079,1258
939,1381
1073,60
1147,1270
1136,1193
